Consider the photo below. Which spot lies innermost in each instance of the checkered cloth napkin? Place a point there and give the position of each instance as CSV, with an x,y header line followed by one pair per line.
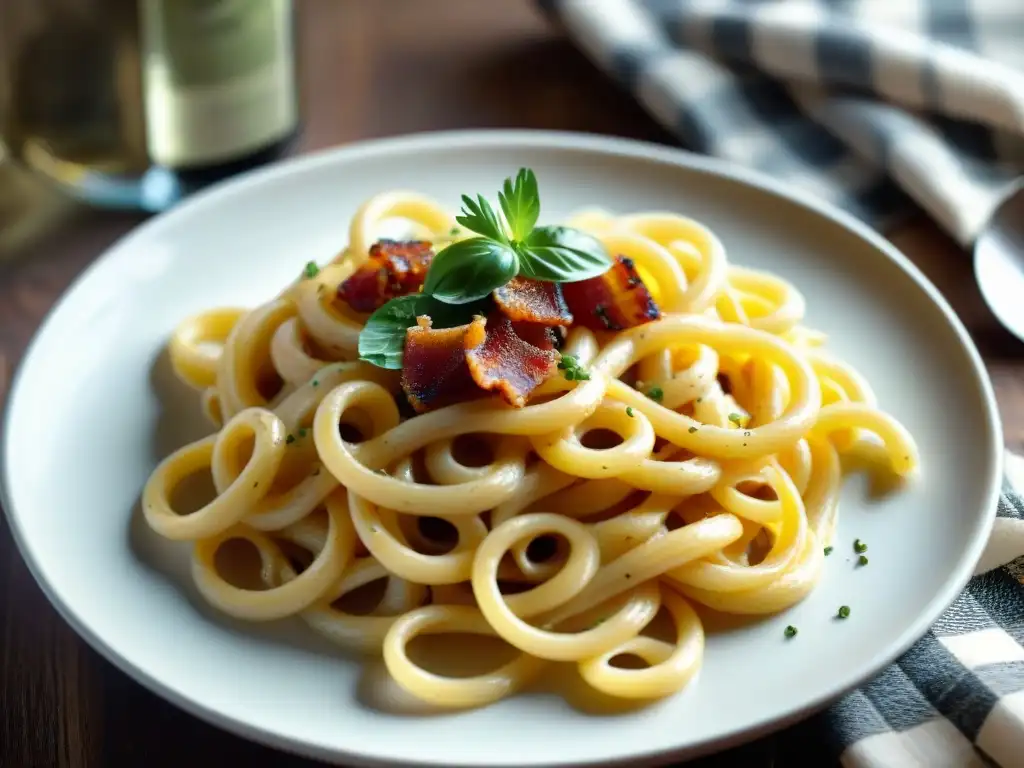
x,y
873,105
956,698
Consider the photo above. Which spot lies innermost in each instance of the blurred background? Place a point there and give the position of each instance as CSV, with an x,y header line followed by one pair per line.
x,y
129,105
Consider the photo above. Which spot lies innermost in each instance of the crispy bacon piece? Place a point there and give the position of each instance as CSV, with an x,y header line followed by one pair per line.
x,y
393,269
613,301
450,365
533,301
499,360
540,336
434,368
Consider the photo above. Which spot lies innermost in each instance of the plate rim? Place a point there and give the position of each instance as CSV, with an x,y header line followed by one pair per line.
x,y
593,143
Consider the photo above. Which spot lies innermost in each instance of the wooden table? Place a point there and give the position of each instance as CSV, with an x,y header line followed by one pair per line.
x,y
368,69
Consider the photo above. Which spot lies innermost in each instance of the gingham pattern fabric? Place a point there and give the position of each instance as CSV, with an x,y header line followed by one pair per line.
x,y
872,105
956,698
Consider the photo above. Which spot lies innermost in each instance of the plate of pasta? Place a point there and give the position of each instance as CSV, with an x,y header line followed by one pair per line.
x,y
501,448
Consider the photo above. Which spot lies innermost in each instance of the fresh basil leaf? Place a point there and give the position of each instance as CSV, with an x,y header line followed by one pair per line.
x,y
469,270
521,203
481,218
562,255
382,340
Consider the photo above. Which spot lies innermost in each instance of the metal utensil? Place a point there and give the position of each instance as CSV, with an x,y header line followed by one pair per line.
x,y
999,262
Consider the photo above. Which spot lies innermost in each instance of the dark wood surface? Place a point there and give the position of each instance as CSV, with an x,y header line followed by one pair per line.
x,y
368,69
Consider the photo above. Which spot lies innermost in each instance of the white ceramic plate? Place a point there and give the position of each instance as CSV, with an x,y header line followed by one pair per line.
x,y
94,407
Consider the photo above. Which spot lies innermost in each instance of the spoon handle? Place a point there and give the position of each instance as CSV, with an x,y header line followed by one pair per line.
x,y
999,261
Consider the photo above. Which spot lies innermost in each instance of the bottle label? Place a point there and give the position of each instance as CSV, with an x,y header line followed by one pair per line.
x,y
219,78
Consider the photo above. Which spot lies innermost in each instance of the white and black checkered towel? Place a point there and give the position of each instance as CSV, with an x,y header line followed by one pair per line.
x,y
956,698
872,105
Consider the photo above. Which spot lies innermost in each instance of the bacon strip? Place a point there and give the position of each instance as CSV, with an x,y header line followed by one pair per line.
x,y
612,301
499,360
540,336
393,269
450,365
434,368
534,301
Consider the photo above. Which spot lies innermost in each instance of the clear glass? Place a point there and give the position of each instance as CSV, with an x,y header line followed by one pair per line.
x,y
85,87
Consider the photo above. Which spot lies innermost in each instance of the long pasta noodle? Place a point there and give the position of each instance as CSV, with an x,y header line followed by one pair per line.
x,y
720,493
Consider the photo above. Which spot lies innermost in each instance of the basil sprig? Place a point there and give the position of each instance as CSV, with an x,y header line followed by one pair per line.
x,y
520,202
464,274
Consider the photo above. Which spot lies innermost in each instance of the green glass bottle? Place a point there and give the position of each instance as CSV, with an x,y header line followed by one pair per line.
x,y
137,103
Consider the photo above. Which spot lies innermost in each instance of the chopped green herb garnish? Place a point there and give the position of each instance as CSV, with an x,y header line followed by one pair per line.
x,y
734,418
629,411
311,270
290,439
572,370
828,551
790,631
302,432
691,430
844,612
859,546
657,394
454,230
862,560
316,383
